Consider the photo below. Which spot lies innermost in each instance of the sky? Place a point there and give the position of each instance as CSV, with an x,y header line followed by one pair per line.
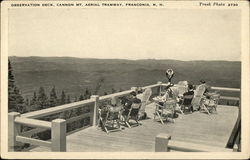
x,y
181,34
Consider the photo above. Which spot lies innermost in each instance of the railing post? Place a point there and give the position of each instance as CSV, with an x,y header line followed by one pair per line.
x,y
13,130
58,135
94,119
159,91
161,142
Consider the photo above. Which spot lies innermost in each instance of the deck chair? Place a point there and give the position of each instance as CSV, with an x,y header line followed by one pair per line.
x,y
144,101
187,103
198,96
133,115
182,87
162,111
108,117
210,105
175,94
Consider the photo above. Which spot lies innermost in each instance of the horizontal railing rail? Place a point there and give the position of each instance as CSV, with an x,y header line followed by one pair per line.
x,y
57,109
33,141
226,89
33,122
163,143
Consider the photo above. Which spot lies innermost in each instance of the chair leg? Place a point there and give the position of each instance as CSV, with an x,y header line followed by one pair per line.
x,y
118,124
205,108
105,128
127,123
160,117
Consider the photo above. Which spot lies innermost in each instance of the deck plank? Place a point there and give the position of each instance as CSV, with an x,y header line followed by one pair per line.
x,y
197,127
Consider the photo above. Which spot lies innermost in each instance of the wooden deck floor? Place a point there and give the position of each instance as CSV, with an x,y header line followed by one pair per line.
x,y
198,127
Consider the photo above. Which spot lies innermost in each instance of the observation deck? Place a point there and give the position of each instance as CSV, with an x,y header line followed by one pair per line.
x,y
197,128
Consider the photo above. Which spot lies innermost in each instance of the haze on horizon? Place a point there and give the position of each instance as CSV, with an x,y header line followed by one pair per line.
x,y
185,35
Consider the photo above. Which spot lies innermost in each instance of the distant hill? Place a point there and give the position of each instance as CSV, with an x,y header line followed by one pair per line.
x,y
74,75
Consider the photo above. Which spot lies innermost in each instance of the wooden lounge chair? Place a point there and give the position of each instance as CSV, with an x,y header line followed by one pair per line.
x,y
198,96
210,105
175,95
162,111
109,116
144,101
133,115
187,103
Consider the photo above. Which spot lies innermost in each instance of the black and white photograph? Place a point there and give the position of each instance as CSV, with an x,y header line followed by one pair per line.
x,y
124,78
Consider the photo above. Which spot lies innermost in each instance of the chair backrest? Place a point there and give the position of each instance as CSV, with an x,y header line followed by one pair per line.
x,y
113,112
198,94
135,107
175,92
114,109
187,99
169,104
182,87
145,98
200,90
146,94
183,83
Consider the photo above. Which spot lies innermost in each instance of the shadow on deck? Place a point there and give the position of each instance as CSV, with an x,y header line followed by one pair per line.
x,y
197,127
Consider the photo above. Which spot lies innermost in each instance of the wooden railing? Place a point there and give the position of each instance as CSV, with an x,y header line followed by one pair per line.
x,y
57,126
228,90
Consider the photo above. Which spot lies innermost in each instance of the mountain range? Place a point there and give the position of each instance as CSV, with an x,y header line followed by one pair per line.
x,y
74,75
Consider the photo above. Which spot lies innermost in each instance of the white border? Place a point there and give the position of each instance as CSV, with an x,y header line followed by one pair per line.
x,y
243,6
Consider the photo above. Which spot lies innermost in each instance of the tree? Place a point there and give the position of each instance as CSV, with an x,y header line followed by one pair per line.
x,y
87,94
76,99
42,99
63,98
33,102
15,100
27,104
98,85
53,101
68,99
19,101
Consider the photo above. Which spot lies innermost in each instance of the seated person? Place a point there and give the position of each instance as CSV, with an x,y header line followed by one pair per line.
x,y
207,88
129,101
114,108
190,92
